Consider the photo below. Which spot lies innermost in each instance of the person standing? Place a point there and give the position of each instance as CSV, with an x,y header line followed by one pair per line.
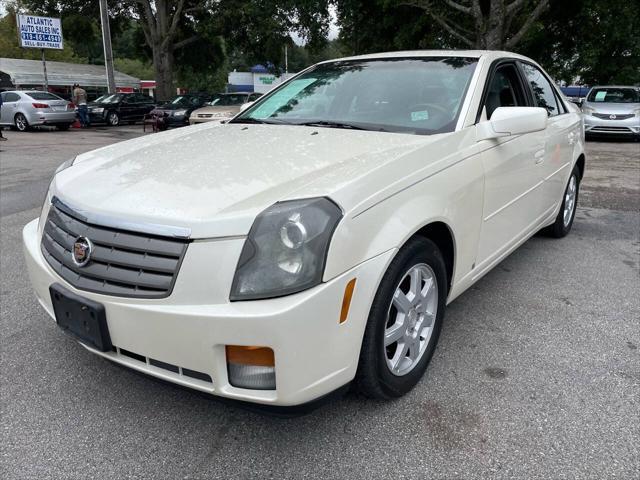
x,y
2,138
80,99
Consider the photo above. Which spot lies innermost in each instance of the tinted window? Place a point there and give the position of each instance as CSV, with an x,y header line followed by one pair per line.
x,y
410,95
614,95
254,96
504,90
543,95
10,97
43,96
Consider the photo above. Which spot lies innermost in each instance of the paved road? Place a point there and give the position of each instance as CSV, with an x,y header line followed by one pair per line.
x,y
537,374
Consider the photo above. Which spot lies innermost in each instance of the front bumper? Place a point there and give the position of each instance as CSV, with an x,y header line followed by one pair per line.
x,y
600,126
51,118
314,353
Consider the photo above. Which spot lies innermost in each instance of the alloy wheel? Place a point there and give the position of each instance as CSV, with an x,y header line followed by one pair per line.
x,y
114,119
21,122
570,200
410,319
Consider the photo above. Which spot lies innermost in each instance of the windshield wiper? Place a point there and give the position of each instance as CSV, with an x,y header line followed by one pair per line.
x,y
330,124
258,121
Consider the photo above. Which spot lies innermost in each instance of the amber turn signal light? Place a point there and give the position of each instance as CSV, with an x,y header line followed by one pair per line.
x,y
258,356
346,300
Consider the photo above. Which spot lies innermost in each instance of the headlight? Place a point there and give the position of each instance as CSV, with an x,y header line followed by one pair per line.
x,y
179,113
97,110
637,112
588,110
286,249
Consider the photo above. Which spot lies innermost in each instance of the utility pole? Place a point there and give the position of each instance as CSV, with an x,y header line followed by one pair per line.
x,y
286,59
44,68
106,42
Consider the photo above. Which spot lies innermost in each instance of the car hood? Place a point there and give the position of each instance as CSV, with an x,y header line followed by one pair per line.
x,y
231,109
602,107
214,179
172,106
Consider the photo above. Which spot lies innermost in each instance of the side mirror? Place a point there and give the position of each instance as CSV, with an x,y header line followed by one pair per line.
x,y
507,121
244,106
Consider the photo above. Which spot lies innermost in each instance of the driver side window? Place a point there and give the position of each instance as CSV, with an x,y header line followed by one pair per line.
x,y
505,90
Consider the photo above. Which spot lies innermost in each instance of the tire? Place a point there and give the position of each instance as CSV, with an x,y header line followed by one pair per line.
x,y
113,119
564,220
20,122
63,127
377,377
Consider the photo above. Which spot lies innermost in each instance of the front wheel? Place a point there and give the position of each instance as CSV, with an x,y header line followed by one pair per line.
x,y
21,123
564,219
113,119
404,322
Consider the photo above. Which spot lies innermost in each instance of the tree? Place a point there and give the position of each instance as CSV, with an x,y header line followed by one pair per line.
x,y
588,41
484,24
160,21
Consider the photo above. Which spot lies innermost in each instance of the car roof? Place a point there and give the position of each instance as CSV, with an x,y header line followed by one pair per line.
x,y
489,54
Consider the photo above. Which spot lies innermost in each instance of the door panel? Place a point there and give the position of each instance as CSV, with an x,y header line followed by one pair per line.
x,y
513,192
562,133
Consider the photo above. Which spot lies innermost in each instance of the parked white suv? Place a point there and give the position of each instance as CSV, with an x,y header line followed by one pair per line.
x,y
314,240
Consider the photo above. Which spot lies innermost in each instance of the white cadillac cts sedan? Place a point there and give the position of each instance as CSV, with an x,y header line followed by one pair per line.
x,y
313,241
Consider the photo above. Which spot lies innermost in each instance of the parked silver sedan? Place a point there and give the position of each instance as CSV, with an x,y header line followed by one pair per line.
x,y
612,110
22,109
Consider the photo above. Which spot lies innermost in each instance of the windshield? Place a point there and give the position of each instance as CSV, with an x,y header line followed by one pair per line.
x,y
43,96
410,95
614,95
109,98
101,98
230,99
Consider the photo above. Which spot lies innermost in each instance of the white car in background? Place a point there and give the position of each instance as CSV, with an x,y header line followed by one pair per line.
x,y
315,240
226,106
612,110
23,109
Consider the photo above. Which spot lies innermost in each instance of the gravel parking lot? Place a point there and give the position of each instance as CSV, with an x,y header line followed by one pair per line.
x,y
537,374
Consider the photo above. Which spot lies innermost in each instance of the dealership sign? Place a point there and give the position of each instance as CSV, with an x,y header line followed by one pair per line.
x,y
39,32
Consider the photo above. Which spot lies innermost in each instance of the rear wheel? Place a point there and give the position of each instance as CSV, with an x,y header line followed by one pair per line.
x,y
113,119
564,219
21,123
404,322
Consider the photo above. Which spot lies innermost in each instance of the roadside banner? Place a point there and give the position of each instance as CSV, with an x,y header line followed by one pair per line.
x,y
40,32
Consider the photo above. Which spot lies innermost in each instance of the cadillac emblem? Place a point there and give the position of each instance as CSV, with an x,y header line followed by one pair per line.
x,y
612,116
81,252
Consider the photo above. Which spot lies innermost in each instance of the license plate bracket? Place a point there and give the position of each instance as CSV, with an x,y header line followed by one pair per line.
x,y
84,319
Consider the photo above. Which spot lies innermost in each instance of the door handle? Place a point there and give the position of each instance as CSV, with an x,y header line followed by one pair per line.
x,y
539,156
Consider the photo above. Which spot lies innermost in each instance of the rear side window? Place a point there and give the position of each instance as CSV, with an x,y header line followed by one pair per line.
x,y
10,97
43,96
543,95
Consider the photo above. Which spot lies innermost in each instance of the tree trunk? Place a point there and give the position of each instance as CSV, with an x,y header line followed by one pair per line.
x,y
163,67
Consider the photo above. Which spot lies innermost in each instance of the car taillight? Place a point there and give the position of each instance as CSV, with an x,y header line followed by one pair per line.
x,y
40,105
71,106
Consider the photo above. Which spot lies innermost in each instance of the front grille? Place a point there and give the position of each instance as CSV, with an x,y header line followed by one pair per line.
x,y
611,129
607,116
179,371
205,115
122,263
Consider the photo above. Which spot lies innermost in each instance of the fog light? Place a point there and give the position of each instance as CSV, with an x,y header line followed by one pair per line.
x,y
251,367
